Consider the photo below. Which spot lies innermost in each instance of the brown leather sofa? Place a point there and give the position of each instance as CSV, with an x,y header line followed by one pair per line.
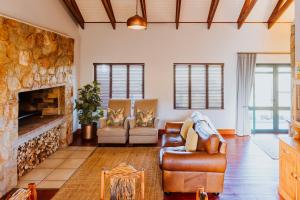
x,y
184,171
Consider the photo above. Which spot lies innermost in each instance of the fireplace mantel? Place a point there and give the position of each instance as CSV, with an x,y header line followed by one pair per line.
x,y
37,132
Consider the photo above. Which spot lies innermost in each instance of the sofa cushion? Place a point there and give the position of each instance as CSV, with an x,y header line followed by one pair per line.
x,y
111,132
191,140
143,131
208,141
167,149
172,140
188,123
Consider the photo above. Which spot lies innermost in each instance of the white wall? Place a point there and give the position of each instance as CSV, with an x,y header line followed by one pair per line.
x,y
49,14
161,45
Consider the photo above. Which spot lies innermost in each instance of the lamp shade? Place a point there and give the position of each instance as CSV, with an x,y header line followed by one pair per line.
x,y
137,22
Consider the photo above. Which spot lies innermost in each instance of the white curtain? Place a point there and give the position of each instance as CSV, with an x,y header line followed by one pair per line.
x,y
245,78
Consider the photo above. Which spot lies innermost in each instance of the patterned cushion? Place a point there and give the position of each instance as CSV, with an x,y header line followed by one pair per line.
x,y
144,118
115,117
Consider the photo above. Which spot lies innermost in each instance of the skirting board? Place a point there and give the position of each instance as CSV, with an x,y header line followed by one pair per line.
x,y
227,131
221,131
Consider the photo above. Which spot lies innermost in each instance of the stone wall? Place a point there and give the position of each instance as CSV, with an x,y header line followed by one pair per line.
x,y
30,58
34,151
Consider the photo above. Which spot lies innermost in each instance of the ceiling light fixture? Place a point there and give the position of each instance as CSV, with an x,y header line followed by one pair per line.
x,y
136,22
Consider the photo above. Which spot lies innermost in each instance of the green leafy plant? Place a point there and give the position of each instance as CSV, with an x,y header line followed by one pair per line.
x,y
89,103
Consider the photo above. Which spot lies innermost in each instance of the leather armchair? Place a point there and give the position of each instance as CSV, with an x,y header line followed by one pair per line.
x,y
113,135
144,135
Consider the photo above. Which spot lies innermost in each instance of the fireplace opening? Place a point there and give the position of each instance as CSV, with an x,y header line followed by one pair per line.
x,y
39,107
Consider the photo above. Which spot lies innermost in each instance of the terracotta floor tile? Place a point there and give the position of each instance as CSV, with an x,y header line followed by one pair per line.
x,y
60,175
36,175
80,154
51,163
71,163
24,184
50,184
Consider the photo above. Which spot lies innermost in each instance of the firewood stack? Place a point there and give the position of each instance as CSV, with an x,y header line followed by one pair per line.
x,y
33,152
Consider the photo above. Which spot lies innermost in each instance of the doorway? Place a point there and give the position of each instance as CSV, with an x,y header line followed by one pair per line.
x,y
270,101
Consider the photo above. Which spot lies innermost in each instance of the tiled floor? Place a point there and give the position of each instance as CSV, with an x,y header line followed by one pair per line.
x,y
58,168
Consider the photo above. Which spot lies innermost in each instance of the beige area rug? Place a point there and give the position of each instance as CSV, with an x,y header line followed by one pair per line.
x,y
85,183
269,145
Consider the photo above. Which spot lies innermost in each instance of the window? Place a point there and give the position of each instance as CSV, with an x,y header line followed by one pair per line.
x,y
198,86
120,81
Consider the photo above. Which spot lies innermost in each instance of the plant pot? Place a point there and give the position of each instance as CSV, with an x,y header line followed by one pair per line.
x,y
88,131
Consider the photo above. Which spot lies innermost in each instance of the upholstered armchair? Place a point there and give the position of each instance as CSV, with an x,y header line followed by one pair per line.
x,y
108,133
144,130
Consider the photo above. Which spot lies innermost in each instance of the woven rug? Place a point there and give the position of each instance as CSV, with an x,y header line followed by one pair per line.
x,y
269,146
85,183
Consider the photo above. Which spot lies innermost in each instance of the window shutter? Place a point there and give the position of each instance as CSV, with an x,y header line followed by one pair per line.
x,y
215,86
198,86
102,77
119,82
182,86
136,82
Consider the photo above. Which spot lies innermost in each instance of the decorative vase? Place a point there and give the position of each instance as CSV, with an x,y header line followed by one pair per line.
x,y
88,131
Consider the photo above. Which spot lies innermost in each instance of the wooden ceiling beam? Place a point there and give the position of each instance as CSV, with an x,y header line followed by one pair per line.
x,y
75,12
212,11
247,7
178,7
143,8
279,9
109,12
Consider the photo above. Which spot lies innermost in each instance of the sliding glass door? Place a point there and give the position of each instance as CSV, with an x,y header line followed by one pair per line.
x,y
271,98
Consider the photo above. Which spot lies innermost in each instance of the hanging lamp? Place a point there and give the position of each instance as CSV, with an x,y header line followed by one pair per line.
x,y
137,22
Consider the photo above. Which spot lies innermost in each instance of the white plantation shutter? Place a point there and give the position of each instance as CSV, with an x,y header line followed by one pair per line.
x,y
102,73
182,86
215,86
198,86
120,81
136,84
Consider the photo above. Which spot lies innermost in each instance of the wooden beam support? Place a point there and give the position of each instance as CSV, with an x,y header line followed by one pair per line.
x,y
279,9
143,8
178,7
75,12
212,11
109,12
247,7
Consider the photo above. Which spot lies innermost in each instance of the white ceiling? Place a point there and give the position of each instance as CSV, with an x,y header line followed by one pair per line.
x,y
191,10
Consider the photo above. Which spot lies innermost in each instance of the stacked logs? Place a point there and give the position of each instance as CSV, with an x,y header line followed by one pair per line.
x,y
33,152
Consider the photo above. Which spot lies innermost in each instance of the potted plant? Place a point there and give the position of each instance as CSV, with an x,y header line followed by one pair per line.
x,y
89,109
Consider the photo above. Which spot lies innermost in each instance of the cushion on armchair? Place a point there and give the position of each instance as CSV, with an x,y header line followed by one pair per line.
x,y
144,118
115,118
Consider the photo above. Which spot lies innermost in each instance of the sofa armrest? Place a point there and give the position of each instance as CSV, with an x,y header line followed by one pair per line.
x,y
102,122
173,127
193,161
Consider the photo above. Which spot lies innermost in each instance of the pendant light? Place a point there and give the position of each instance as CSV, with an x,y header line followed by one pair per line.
x,y
137,22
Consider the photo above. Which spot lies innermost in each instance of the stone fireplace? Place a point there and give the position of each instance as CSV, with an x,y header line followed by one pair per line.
x,y
32,62
39,106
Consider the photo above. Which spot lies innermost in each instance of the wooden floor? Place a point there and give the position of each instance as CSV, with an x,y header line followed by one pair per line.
x,y
251,174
